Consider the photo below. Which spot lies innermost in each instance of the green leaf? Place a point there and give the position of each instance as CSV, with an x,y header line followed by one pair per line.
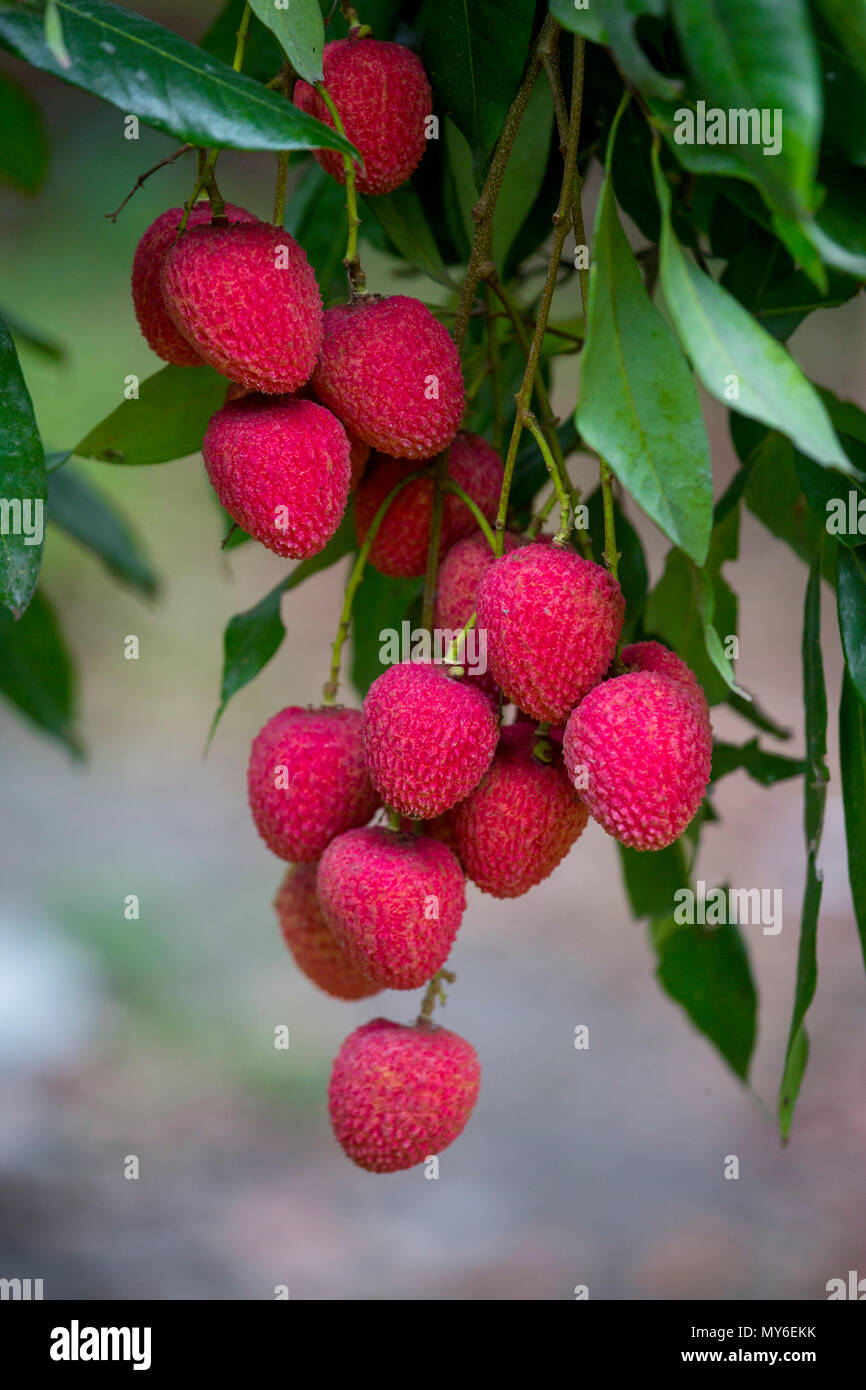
x,y
166,422
170,84
53,26
27,336
736,360
262,54
851,593
762,277
632,571
474,56
817,775
530,470
763,767
844,98
253,637
315,217
839,502
83,512
839,230
404,221
301,32
706,971
22,467
24,160
852,756
773,492
524,173
612,24
638,405
751,710
36,673
847,18
652,877
380,604
760,54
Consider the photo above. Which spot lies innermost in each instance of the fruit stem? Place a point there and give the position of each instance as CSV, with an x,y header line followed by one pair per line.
x,y
515,314
440,478
611,554
542,748
435,993
450,658
241,37
332,685
483,523
494,365
561,538
394,820
351,260
356,28
280,189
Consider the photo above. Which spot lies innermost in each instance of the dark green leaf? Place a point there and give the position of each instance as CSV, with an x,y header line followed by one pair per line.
x,y
36,672
612,24
632,572
763,767
524,173
530,471
847,19
762,277
166,422
706,970
402,218
263,56
27,336
24,158
852,755
844,98
752,711
83,512
167,82
839,502
652,877
851,590
300,30
315,217
380,604
22,467
839,230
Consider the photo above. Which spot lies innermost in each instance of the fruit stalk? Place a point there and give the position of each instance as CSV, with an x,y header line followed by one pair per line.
x,y
351,260
434,993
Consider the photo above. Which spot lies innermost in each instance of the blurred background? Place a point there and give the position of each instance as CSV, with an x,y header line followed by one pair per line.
x,y
154,1037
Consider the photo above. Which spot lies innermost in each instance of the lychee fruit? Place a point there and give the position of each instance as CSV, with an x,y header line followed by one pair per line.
x,y
311,941
652,656
400,1094
308,780
428,738
281,468
391,372
154,320
400,547
552,621
245,298
393,901
639,748
457,591
384,99
520,821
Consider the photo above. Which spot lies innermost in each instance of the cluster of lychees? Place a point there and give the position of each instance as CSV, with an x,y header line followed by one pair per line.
x,y
358,398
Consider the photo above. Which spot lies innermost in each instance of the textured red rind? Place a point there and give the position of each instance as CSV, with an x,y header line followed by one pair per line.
x,y
457,592
652,656
312,943
391,372
519,822
154,320
383,97
399,1094
639,748
394,903
552,621
428,739
308,781
245,298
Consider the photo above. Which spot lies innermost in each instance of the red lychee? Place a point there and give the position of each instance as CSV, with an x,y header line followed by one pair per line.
x,y
457,590
308,780
281,470
154,320
393,901
639,749
391,372
652,656
246,300
311,941
552,621
400,547
428,739
383,97
521,819
400,1094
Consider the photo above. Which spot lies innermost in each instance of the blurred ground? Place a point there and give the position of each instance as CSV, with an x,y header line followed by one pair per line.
x,y
155,1038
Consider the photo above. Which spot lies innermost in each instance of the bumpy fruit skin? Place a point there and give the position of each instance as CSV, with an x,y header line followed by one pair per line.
x,y
383,97
154,320
246,300
400,1094
311,941
308,781
281,468
652,656
394,903
552,621
391,372
428,739
457,590
400,547
520,821
639,747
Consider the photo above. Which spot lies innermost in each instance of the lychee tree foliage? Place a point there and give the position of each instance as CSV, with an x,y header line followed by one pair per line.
x,y
735,248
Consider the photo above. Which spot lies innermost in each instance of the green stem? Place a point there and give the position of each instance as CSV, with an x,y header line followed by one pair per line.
x,y
561,537
241,41
440,478
611,554
494,363
351,260
514,312
483,523
434,992
454,647
280,189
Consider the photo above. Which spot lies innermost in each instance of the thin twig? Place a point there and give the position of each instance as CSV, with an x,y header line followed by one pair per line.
x,y
142,178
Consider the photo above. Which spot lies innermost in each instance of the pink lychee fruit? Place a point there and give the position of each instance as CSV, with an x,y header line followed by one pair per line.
x,y
281,468
652,656
384,99
308,780
457,592
520,821
391,372
639,748
311,941
400,547
154,320
428,738
245,298
400,1094
552,621
393,901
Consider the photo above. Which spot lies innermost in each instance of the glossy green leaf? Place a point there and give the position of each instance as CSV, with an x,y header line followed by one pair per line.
x,y
762,766
22,467
404,221
166,81
82,511
300,30
838,501
852,756
380,604
652,877
24,157
166,422
36,673
851,594
612,24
